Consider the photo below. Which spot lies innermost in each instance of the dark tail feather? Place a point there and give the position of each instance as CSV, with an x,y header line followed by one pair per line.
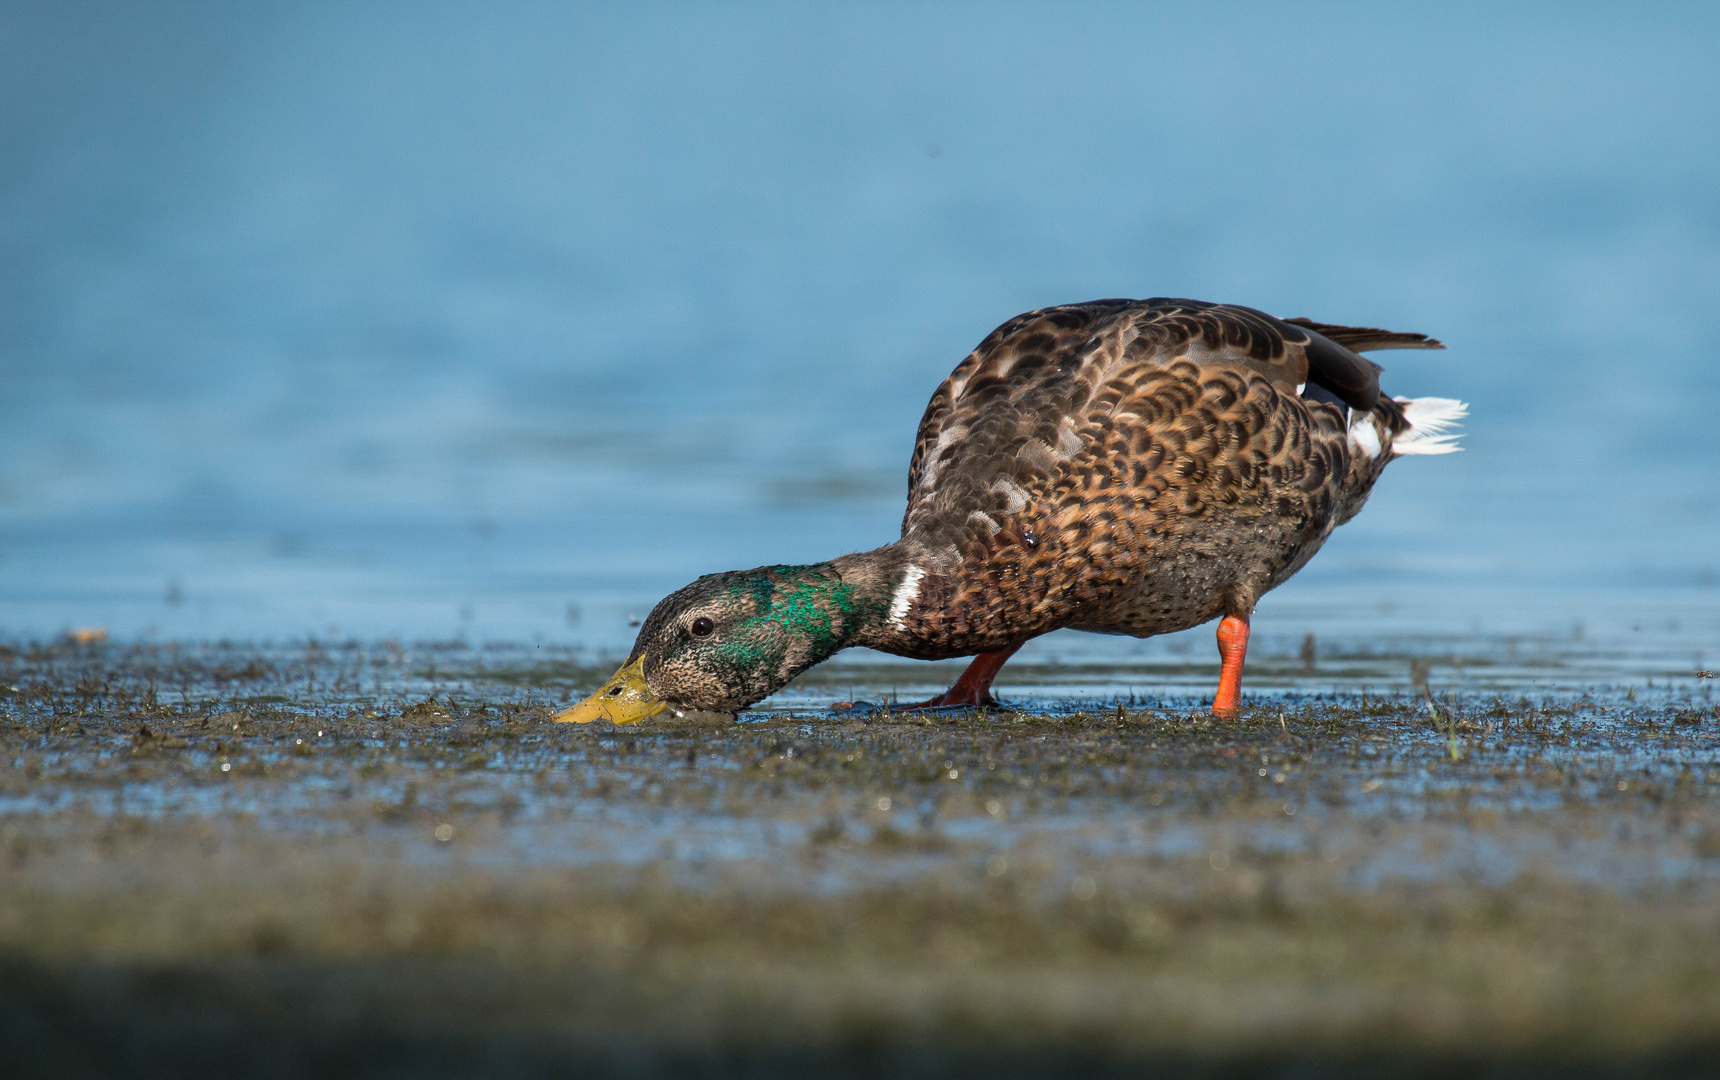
x,y
1366,338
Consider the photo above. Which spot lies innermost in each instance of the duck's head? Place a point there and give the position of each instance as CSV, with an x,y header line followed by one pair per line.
x,y
728,640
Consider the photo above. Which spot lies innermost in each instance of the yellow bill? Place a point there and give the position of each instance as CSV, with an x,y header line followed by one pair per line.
x,y
624,699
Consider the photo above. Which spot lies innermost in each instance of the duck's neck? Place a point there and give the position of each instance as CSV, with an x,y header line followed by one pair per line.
x,y
820,610
877,579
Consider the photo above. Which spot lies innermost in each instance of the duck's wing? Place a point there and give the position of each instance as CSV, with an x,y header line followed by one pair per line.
x,y
1367,338
1019,411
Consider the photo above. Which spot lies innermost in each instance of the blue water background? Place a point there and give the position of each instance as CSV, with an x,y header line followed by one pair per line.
x,y
500,321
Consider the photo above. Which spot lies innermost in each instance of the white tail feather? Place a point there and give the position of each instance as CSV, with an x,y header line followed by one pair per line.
x,y
1430,422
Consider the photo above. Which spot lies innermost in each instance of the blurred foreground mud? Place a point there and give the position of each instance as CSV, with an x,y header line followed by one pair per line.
x,y
372,860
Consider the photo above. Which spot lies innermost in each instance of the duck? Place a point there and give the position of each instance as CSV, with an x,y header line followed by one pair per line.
x,y
1118,466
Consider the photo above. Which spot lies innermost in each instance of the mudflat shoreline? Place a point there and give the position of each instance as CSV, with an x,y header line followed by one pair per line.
x,y
223,860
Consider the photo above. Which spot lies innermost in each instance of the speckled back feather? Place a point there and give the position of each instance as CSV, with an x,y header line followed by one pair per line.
x,y
1132,467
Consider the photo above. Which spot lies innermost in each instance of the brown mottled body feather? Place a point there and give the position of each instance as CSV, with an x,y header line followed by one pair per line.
x,y
1132,467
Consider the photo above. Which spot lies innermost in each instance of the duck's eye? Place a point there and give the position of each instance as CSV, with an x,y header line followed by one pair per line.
x,y
702,627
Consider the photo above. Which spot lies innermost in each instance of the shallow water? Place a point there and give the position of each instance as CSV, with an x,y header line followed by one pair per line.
x,y
412,324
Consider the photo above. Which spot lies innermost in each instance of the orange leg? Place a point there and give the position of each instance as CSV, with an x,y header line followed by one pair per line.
x,y
974,687
1232,647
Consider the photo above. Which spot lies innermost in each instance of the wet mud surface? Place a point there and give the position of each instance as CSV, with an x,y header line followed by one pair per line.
x,y
376,860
